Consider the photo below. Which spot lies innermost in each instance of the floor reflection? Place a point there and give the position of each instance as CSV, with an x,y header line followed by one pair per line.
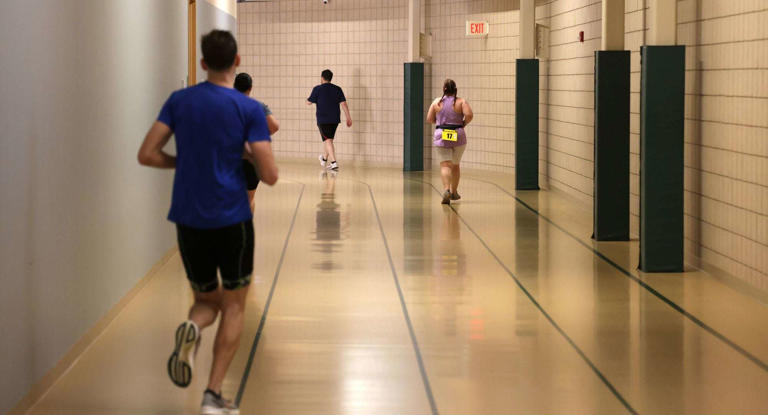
x,y
449,272
328,225
526,238
451,259
416,227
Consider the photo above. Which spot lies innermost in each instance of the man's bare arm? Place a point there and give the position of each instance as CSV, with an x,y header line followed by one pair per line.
x,y
151,152
272,124
346,113
260,154
467,110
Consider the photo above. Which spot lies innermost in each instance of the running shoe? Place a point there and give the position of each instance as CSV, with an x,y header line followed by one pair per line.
x,y
181,362
214,404
446,198
455,196
322,160
334,166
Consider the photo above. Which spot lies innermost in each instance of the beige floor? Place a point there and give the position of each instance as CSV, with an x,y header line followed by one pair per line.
x,y
387,302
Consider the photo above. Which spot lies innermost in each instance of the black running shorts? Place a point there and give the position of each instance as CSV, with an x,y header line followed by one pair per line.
x,y
228,250
251,179
327,131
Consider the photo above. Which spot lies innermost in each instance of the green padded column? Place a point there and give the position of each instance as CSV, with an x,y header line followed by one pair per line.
x,y
611,195
527,125
662,111
413,117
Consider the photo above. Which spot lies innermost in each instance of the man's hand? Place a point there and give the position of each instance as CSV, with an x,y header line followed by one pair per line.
x,y
260,154
346,113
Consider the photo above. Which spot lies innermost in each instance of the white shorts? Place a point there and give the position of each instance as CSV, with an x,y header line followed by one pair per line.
x,y
452,154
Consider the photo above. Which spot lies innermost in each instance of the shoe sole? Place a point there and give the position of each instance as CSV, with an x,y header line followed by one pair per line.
x,y
180,364
207,410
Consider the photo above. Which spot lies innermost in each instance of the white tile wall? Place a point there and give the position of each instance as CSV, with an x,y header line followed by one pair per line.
x,y
726,134
568,96
484,71
286,44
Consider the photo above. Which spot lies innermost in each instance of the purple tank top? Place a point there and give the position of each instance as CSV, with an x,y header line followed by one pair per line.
x,y
447,115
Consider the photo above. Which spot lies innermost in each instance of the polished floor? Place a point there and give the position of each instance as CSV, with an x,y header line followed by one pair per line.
x,y
370,297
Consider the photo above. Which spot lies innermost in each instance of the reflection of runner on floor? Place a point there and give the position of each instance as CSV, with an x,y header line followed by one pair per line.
x,y
330,225
328,218
213,221
244,84
328,96
451,260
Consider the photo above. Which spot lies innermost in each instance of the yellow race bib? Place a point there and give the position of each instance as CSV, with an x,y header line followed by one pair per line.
x,y
450,135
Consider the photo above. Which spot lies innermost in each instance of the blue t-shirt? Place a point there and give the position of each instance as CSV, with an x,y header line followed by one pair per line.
x,y
211,124
327,97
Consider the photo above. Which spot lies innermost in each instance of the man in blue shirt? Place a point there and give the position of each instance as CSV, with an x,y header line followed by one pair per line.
x,y
328,96
212,123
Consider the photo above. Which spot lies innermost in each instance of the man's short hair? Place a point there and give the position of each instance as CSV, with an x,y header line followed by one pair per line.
x,y
327,75
219,49
243,82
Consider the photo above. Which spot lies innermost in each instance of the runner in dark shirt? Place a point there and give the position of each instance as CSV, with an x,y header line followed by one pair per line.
x,y
328,96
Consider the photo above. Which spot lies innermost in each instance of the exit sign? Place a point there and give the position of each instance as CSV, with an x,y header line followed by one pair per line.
x,y
477,29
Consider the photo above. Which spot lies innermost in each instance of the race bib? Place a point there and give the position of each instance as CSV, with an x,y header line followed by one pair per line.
x,y
450,135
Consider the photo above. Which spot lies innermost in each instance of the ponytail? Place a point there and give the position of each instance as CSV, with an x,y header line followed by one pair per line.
x,y
449,88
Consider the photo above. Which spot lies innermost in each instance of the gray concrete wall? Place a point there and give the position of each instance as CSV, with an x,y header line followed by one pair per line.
x,y
82,80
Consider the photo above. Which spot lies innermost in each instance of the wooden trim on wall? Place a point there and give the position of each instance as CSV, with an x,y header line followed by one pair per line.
x,y
192,43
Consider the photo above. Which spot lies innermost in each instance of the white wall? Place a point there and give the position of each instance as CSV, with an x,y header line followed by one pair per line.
x,y
82,80
726,133
213,16
484,71
568,95
286,44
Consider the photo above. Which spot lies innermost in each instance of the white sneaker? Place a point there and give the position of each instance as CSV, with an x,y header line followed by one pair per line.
x,y
181,362
334,166
322,160
214,404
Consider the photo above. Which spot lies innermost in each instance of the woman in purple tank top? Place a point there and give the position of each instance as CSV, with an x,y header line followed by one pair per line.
x,y
451,114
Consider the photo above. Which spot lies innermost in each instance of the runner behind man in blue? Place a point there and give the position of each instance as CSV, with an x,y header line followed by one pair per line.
x,y
244,84
212,122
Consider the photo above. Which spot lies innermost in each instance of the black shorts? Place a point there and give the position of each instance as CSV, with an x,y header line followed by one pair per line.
x,y
228,250
327,131
251,179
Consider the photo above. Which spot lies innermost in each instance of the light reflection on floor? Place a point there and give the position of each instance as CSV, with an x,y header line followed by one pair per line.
x,y
336,340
